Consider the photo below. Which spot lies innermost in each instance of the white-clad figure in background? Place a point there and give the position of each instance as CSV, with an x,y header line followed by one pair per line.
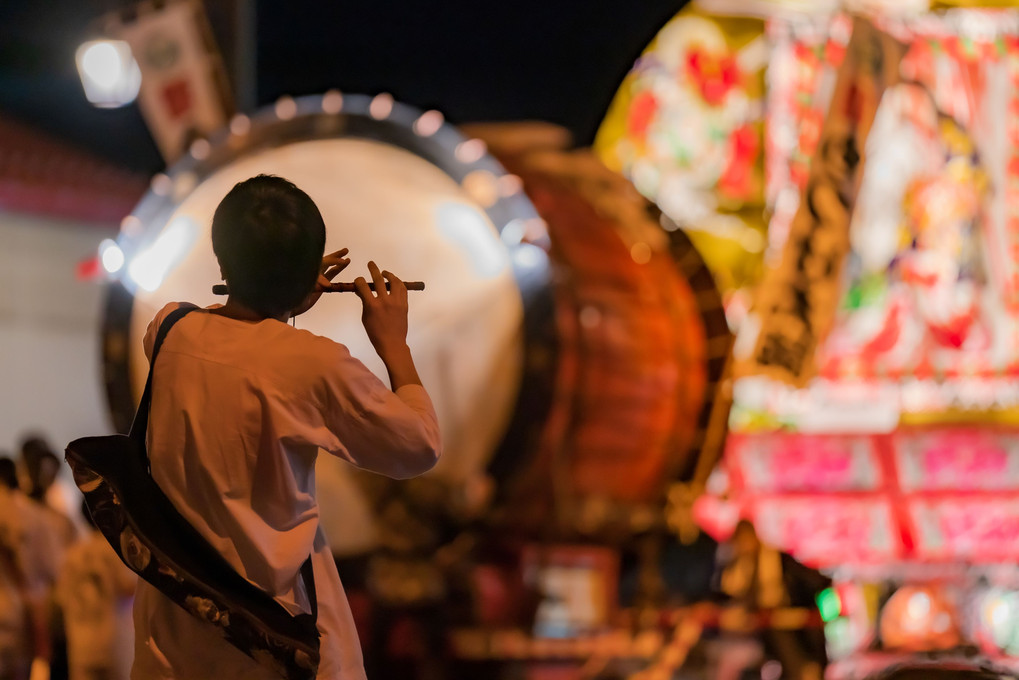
x,y
95,591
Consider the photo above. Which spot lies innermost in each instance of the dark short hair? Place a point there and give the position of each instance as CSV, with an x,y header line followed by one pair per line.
x,y
8,472
39,487
34,447
269,238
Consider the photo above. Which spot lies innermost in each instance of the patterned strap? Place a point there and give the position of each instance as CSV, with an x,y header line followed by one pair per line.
x,y
140,424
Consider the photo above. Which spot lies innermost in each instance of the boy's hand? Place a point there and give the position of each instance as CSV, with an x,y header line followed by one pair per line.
x,y
332,264
383,313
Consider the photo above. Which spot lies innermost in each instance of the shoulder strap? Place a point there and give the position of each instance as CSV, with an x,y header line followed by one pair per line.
x,y
308,576
141,421
141,416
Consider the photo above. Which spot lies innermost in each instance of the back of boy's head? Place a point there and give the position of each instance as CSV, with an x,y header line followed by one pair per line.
x,y
269,238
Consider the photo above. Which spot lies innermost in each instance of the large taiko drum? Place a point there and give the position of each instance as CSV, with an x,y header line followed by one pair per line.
x,y
641,345
396,186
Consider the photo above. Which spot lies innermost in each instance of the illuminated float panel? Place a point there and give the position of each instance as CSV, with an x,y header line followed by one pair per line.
x,y
718,123
912,320
860,218
922,321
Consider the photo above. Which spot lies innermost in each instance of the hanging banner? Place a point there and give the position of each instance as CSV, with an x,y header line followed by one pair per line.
x,y
798,298
183,93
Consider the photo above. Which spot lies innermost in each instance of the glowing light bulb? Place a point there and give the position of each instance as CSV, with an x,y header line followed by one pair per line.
x,y
161,184
332,102
286,108
640,252
918,606
470,151
111,256
428,123
381,106
200,149
109,74
510,184
482,186
240,125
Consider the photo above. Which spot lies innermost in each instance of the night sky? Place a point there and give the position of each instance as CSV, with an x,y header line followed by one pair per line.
x,y
554,60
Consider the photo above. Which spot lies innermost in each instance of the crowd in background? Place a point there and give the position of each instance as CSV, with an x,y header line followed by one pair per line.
x,y
65,596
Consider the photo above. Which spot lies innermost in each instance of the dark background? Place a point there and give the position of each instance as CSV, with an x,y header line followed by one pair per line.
x,y
474,60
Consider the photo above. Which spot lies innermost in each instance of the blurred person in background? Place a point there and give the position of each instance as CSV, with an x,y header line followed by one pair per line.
x,y
14,648
28,567
42,482
49,494
95,592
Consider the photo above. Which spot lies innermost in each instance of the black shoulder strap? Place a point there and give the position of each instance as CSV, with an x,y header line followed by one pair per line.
x,y
141,422
308,576
141,417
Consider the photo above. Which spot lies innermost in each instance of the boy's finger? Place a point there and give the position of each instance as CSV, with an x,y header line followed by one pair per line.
x,y
333,259
362,290
335,269
334,262
380,283
396,287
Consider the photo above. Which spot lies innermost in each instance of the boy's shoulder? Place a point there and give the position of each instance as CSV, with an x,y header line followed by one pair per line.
x,y
157,321
170,307
277,342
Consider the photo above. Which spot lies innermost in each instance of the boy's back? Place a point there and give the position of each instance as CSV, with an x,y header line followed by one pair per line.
x,y
239,411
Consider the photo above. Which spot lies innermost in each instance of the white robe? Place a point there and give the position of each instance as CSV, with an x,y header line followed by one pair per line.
x,y
239,412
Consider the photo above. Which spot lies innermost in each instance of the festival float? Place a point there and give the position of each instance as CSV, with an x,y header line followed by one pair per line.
x,y
850,175
833,189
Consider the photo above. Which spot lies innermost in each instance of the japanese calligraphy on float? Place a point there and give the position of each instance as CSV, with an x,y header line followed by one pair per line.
x,y
851,173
